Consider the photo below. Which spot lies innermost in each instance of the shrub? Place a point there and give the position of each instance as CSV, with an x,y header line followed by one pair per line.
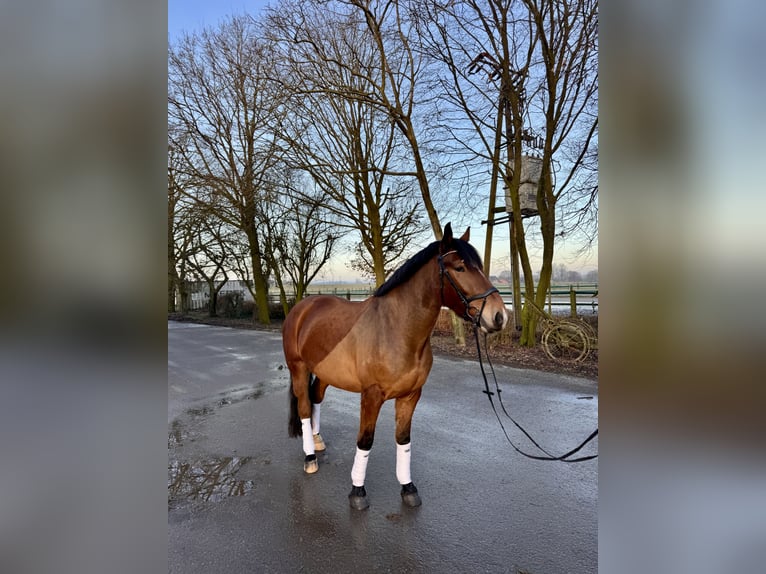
x,y
276,311
230,304
247,309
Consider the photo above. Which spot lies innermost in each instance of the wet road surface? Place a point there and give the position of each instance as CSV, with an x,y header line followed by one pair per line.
x,y
239,501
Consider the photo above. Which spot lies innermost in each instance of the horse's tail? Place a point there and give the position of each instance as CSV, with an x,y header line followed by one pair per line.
x,y
294,427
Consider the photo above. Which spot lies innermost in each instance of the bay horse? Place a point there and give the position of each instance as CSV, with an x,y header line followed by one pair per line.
x,y
381,348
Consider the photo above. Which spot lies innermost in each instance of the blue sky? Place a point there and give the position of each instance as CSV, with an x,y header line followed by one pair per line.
x,y
191,15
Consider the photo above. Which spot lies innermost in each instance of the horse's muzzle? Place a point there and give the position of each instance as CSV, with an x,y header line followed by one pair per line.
x,y
493,319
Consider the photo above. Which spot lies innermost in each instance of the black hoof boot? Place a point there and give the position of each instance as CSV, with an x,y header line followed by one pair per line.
x,y
358,498
410,495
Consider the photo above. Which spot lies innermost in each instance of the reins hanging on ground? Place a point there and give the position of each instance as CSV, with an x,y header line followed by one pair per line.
x,y
475,322
489,393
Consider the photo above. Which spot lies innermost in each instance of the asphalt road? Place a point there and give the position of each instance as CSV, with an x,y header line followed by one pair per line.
x,y
239,501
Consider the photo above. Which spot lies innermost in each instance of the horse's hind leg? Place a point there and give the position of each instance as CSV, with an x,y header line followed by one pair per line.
x,y
301,402
405,406
316,393
372,400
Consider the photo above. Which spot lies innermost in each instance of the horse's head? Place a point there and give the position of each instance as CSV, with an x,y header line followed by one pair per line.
x,y
465,288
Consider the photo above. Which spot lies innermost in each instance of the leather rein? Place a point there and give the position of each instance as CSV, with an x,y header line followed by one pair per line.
x,y
475,320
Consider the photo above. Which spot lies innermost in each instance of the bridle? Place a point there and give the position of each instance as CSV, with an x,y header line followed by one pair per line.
x,y
461,294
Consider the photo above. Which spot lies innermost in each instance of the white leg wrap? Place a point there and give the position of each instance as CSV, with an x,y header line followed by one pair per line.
x,y
308,438
359,470
315,419
403,463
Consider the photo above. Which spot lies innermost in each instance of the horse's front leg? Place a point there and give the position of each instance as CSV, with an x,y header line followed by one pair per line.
x,y
405,406
372,400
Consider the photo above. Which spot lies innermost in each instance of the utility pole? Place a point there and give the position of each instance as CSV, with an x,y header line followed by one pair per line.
x,y
505,114
492,210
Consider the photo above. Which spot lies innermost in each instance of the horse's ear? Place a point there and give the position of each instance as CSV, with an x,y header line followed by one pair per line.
x,y
467,235
447,236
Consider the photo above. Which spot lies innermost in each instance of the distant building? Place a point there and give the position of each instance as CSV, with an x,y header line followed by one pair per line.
x,y
199,292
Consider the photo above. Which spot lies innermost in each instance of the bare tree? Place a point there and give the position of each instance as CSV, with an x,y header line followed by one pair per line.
x,y
180,229
376,254
220,94
174,194
396,87
187,230
240,260
537,59
348,145
565,90
178,257
376,68
208,252
304,239
346,89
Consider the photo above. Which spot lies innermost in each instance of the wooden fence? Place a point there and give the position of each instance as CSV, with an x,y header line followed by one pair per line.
x,y
574,298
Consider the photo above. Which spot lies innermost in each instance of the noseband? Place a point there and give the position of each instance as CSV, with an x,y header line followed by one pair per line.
x,y
461,294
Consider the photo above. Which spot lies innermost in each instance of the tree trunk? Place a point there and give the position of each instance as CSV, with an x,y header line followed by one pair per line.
x,y
458,328
260,282
261,286
184,296
425,190
546,208
212,304
378,262
171,292
282,294
527,338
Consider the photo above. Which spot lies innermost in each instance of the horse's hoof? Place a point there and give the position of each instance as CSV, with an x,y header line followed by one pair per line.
x,y
358,498
310,465
319,445
410,495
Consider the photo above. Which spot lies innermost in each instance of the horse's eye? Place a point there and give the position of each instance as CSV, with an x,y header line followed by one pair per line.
x,y
460,269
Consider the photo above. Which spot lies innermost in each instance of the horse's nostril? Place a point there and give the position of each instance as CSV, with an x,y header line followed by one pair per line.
x,y
499,318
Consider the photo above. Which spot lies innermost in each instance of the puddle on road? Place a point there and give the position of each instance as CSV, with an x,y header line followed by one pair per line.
x,y
199,412
229,397
177,435
208,480
214,479
239,395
